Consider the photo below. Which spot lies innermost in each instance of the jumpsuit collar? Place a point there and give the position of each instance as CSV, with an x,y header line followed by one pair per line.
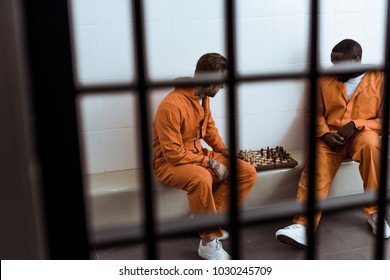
x,y
187,91
363,83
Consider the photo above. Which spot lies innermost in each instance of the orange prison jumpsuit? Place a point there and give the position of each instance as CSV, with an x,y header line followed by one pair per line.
x,y
334,111
180,161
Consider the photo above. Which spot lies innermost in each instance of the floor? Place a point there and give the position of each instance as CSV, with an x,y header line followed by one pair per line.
x,y
341,236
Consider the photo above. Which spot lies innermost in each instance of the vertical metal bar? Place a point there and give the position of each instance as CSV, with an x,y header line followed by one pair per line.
x,y
311,201
56,135
149,206
382,190
231,96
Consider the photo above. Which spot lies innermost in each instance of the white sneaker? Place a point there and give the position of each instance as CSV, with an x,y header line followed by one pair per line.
x,y
224,236
294,235
213,251
373,220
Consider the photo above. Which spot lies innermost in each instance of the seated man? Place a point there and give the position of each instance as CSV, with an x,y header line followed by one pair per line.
x,y
349,121
181,121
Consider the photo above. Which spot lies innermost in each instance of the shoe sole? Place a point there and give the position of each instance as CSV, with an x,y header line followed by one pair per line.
x,y
289,241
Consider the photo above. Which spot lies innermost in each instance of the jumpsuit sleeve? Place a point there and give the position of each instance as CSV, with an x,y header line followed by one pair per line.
x,y
321,126
168,127
212,137
375,123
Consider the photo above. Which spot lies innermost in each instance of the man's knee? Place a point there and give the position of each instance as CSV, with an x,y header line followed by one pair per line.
x,y
201,182
373,147
247,172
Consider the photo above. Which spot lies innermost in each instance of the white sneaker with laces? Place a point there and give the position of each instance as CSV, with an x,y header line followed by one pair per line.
x,y
213,251
373,221
294,235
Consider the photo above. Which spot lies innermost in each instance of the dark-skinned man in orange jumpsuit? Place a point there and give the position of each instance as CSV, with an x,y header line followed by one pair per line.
x,y
349,121
182,120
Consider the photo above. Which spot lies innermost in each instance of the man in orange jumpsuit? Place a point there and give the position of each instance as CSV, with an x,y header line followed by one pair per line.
x,y
349,120
181,121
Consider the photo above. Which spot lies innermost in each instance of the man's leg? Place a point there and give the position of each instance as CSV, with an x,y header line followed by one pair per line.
x,y
327,164
365,149
197,182
246,178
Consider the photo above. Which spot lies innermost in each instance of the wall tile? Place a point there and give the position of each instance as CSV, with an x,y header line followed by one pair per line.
x,y
255,98
188,44
350,6
112,12
218,104
85,52
121,147
159,50
89,113
156,10
119,111
375,53
327,40
92,152
275,129
291,7
327,6
254,43
350,26
254,8
215,9
254,132
114,50
222,125
289,95
376,5
187,9
82,12
215,36
290,39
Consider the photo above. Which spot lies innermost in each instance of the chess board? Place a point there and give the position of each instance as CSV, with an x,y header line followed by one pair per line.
x,y
269,158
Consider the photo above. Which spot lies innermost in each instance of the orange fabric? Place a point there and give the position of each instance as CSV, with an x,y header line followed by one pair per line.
x,y
364,109
180,161
179,125
334,111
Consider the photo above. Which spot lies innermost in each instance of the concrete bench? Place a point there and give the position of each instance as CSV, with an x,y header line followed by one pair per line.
x,y
115,198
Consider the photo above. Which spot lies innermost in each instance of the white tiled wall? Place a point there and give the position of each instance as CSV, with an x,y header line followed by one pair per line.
x,y
272,35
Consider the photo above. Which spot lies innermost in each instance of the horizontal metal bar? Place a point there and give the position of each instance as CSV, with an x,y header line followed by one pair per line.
x,y
217,78
185,226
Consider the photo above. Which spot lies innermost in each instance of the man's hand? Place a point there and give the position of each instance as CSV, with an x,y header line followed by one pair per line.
x,y
220,170
346,131
334,141
225,152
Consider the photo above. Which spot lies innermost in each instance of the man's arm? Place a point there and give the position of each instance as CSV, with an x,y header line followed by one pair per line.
x,y
212,137
168,125
321,125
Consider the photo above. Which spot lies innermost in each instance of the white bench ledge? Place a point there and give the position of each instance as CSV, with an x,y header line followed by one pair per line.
x,y
114,198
